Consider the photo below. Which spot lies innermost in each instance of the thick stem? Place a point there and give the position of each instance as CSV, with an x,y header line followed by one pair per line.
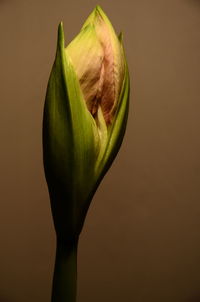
x,y
65,272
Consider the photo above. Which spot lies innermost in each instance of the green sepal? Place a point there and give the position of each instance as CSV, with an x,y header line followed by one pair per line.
x,y
68,143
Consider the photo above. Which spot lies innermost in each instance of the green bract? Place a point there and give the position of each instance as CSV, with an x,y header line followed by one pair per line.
x,y
85,116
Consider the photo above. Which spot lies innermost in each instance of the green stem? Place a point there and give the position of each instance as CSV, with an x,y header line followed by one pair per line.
x,y
65,272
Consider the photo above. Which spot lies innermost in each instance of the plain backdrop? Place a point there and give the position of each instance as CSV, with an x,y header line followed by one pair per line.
x,y
141,238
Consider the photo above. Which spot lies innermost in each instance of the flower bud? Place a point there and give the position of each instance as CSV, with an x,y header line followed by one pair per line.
x,y
85,116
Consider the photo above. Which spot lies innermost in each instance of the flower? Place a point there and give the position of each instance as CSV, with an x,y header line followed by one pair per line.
x,y
85,116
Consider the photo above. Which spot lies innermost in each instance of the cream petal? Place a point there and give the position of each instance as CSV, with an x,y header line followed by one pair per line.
x,y
113,62
86,53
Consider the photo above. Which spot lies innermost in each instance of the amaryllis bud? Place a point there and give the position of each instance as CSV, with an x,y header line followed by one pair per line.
x,y
85,116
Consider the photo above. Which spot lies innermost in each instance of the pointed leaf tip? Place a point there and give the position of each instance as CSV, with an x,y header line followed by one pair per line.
x,y
61,37
120,37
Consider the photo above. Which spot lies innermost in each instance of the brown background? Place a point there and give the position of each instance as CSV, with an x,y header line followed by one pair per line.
x,y
141,239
